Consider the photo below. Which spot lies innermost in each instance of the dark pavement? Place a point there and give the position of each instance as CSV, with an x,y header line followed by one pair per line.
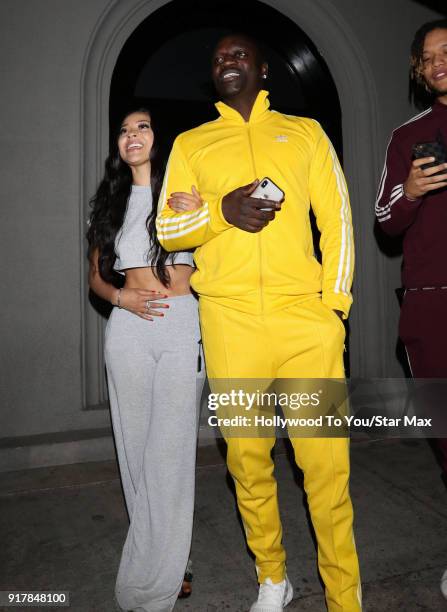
x,y
62,528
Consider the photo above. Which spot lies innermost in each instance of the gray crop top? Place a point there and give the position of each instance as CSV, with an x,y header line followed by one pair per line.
x,y
132,244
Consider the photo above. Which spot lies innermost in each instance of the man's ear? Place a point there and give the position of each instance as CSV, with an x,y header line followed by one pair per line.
x,y
264,70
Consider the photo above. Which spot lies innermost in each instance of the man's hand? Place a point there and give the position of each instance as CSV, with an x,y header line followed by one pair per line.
x,y
420,182
244,212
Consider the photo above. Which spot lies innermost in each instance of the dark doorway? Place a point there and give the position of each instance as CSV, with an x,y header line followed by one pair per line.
x,y
436,5
165,64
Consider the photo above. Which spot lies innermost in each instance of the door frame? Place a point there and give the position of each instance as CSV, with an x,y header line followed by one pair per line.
x,y
347,62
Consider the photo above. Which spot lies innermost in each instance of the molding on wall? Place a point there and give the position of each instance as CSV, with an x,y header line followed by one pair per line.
x,y
58,448
338,44
114,26
355,82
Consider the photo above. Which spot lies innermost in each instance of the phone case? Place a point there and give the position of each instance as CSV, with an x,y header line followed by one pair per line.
x,y
436,149
268,191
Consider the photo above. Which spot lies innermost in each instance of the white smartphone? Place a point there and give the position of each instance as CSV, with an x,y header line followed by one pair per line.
x,y
267,190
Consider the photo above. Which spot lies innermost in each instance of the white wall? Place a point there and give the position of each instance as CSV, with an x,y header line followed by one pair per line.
x,y
43,47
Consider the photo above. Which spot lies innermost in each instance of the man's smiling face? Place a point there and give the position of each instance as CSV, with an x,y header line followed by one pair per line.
x,y
237,68
434,61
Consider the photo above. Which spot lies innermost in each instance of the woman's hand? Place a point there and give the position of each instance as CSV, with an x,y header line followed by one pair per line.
x,y
421,181
181,201
142,302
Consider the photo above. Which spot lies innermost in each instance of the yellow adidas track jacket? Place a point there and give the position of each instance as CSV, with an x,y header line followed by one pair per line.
x,y
276,267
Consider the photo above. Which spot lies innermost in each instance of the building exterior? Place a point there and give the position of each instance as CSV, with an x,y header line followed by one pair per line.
x,y
56,63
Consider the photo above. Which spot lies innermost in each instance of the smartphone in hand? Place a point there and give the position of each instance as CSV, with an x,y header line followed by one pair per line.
x,y
436,149
267,190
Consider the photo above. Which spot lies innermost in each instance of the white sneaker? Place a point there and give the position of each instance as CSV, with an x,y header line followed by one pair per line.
x,y
444,584
273,597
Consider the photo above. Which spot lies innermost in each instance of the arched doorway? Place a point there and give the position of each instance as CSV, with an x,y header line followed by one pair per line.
x,y
350,70
171,74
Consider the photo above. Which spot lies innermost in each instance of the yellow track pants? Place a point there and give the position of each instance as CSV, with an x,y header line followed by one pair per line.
x,y
303,341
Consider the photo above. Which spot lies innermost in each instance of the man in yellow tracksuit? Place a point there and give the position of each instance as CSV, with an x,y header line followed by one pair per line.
x,y
268,309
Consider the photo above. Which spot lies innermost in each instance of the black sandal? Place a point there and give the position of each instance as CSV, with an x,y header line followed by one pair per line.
x,y
186,588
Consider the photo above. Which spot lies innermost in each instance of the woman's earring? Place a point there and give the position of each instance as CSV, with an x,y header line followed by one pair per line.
x,y
264,76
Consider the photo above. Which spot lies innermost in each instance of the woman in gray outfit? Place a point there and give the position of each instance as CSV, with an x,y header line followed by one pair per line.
x,y
154,367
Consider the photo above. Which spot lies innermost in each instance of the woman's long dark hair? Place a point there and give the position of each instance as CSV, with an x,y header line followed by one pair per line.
x,y
109,207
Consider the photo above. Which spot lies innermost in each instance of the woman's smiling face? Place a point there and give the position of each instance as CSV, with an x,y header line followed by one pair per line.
x,y
135,139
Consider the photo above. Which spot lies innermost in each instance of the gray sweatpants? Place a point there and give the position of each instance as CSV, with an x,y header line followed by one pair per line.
x,y
154,391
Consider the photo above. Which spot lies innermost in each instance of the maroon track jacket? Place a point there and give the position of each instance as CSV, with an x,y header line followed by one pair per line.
x,y
423,222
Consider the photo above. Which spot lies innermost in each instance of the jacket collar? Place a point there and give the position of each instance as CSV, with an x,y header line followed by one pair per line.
x,y
439,107
258,112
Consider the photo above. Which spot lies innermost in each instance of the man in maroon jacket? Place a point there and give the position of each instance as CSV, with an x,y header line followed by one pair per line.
x,y
413,201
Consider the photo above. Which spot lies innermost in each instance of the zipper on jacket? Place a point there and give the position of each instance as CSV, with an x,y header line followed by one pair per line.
x,y
261,286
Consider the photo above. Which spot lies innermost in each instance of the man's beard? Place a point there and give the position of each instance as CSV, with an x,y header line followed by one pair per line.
x,y
437,92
